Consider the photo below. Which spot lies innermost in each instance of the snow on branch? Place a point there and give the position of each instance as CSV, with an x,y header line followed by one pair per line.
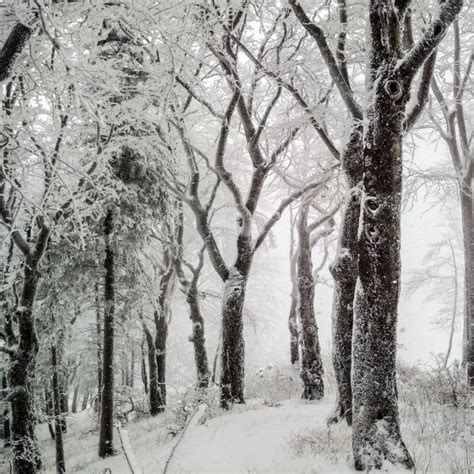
x,y
286,202
420,52
423,91
336,74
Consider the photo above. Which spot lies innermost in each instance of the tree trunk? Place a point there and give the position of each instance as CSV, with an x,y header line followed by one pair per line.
x,y
75,399
26,454
468,243
311,363
107,399
85,400
6,416
98,400
376,432
157,404
232,352
58,413
198,338
131,380
344,271
49,405
292,317
143,371
160,345
216,360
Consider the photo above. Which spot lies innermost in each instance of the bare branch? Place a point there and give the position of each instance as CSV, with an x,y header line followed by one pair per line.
x,y
337,76
286,202
417,55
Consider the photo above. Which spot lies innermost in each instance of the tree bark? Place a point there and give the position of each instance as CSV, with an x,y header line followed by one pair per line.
x,y
12,47
98,400
160,345
58,413
292,317
6,416
344,271
232,351
106,447
311,363
376,433
157,404
75,399
143,371
198,337
26,454
85,400
468,240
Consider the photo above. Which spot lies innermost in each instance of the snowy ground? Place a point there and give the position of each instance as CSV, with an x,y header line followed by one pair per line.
x,y
263,436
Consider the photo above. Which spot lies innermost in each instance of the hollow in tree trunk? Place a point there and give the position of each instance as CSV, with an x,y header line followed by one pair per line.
x,y
376,432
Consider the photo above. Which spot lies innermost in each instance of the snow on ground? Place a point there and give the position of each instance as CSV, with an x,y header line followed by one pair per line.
x,y
261,437
251,439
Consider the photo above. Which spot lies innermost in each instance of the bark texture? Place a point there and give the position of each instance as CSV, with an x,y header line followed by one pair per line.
x,y
198,338
58,413
233,348
26,455
311,363
12,47
106,447
157,404
344,271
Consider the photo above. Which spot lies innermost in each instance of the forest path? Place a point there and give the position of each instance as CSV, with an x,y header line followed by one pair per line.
x,y
253,438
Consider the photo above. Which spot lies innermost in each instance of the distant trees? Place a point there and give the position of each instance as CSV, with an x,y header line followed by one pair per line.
x,y
448,115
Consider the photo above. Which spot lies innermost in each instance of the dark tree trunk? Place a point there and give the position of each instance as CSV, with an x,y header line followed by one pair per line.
x,y
232,350
6,416
157,404
26,454
143,371
311,363
468,243
85,400
49,405
344,271
198,338
292,317
75,399
106,447
160,345
12,48
58,413
216,360
99,348
376,433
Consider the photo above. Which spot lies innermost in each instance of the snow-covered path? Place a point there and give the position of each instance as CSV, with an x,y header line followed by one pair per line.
x,y
251,439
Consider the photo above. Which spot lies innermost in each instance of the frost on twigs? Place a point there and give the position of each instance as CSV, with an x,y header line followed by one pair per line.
x,y
12,12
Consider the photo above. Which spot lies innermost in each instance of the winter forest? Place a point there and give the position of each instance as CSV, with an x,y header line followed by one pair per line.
x,y
236,236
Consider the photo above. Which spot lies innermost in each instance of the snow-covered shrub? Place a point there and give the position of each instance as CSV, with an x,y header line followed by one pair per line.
x,y
333,442
274,384
436,419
